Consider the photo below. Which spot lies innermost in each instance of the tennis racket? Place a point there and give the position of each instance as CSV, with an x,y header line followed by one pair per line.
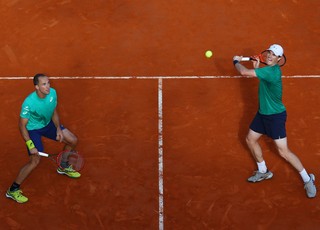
x,y
263,58
66,158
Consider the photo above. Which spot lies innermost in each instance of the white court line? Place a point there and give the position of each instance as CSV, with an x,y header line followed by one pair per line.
x,y
160,154
147,77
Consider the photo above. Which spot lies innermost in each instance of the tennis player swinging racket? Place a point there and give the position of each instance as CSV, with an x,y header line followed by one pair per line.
x,y
271,117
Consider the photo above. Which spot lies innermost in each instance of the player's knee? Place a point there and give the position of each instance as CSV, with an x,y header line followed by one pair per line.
x,y
34,161
75,140
283,153
70,139
249,141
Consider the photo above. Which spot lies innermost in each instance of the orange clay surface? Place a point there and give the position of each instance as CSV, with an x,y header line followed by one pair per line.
x,y
205,121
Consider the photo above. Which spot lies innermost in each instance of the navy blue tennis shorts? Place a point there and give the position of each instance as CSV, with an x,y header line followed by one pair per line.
x,y
273,126
50,131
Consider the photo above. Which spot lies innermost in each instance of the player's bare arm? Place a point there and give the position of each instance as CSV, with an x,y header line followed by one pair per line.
x,y
56,121
244,71
24,133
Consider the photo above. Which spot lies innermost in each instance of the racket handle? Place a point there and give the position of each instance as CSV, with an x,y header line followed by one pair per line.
x,y
43,154
245,59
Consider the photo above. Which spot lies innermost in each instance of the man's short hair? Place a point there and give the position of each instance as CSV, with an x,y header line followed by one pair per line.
x,y
36,78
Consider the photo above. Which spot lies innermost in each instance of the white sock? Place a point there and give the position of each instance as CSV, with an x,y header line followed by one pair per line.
x,y
262,167
305,176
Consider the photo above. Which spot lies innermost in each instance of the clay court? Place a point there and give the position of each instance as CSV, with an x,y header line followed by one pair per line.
x,y
122,67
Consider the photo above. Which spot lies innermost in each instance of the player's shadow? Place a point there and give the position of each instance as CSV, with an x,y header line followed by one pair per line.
x,y
220,64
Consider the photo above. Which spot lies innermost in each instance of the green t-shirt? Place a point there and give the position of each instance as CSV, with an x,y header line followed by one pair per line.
x,y
38,110
270,90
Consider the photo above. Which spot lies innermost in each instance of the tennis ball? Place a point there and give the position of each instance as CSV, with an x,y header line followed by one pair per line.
x,y
208,54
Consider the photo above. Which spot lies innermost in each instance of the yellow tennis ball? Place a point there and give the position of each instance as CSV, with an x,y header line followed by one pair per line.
x,y
208,54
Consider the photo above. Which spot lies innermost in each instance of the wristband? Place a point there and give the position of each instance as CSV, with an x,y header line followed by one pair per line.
x,y
235,62
30,144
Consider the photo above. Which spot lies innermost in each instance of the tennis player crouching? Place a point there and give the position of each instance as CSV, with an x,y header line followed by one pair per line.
x,y
39,118
271,118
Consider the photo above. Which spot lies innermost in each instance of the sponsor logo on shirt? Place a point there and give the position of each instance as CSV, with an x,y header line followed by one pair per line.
x,y
25,110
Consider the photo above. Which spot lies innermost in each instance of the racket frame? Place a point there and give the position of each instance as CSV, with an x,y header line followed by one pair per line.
x,y
283,57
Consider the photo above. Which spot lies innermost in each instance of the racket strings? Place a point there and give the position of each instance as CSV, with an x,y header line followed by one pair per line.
x,y
71,158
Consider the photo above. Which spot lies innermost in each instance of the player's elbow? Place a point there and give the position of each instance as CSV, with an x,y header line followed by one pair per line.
x,y
22,123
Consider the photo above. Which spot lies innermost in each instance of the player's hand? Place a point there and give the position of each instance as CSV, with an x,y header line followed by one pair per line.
x,y
237,58
255,61
34,151
59,135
